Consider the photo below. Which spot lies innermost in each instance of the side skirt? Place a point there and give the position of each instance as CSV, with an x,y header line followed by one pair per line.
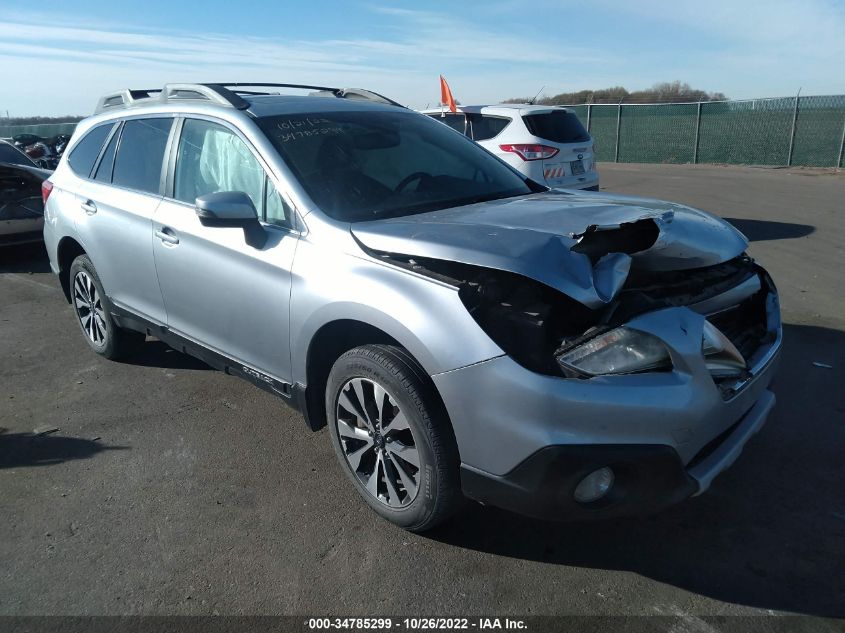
x,y
292,394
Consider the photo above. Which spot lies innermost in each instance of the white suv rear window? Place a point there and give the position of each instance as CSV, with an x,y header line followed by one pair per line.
x,y
558,126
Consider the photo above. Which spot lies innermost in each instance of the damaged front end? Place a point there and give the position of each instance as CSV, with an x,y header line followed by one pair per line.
x,y
562,303
547,332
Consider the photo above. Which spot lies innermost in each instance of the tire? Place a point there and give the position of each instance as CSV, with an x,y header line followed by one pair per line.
x,y
409,447
101,332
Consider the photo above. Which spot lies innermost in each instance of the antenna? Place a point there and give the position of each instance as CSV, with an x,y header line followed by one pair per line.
x,y
531,102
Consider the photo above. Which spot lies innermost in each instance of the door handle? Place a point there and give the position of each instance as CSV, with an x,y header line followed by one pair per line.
x,y
166,235
89,207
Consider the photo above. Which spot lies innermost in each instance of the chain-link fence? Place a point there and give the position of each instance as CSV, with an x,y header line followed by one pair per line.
x,y
784,131
806,131
44,130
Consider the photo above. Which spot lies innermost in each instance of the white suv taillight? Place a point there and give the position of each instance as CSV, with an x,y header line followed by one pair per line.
x,y
530,151
46,190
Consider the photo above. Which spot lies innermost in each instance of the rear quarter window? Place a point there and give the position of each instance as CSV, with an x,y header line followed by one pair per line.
x,y
85,152
104,169
454,121
558,126
483,126
137,164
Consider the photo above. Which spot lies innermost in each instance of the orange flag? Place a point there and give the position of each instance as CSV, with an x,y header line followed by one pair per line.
x,y
446,97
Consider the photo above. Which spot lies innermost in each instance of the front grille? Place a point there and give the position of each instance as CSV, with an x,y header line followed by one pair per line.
x,y
683,287
745,325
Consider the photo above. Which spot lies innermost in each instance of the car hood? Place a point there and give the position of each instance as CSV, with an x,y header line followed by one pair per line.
x,y
583,244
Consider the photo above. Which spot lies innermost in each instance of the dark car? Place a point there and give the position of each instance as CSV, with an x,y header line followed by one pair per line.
x,y
21,206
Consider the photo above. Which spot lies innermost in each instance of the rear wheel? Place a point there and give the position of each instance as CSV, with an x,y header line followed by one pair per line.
x,y
392,437
93,312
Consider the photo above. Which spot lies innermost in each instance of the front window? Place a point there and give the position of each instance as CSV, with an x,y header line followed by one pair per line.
x,y
366,165
212,158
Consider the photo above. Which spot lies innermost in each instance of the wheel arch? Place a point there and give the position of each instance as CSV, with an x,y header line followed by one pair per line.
x,y
329,342
68,250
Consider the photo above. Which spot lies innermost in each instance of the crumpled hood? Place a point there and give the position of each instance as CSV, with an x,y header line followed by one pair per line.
x,y
571,241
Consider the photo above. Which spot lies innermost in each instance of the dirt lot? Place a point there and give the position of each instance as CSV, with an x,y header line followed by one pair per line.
x,y
171,488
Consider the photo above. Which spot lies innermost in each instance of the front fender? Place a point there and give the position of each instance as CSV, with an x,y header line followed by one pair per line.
x,y
425,316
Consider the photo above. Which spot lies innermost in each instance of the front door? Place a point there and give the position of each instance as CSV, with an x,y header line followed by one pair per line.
x,y
218,290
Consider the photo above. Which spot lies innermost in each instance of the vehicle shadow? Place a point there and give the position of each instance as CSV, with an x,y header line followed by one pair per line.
x,y
155,353
24,258
765,230
19,450
770,533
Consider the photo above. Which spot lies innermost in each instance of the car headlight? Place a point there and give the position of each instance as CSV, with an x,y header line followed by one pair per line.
x,y
618,351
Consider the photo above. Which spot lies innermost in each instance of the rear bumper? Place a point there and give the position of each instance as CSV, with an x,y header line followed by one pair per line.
x,y
588,182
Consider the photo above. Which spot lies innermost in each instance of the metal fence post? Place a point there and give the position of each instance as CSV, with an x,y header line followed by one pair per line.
x,y
841,145
589,115
618,122
792,131
697,132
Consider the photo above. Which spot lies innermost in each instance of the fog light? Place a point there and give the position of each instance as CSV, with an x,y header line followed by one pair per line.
x,y
594,486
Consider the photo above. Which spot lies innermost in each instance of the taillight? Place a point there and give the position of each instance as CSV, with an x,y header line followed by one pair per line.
x,y
46,190
530,151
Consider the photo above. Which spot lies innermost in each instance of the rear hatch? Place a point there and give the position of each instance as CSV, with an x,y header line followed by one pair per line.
x,y
562,130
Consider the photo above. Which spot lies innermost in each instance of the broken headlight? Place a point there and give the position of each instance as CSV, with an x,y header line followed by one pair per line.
x,y
618,351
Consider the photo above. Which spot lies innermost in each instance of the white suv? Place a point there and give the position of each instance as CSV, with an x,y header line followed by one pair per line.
x,y
546,143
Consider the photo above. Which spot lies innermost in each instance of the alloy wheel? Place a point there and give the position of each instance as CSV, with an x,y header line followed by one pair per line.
x,y
377,442
89,308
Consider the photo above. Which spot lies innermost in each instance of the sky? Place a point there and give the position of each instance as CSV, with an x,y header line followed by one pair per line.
x,y
58,57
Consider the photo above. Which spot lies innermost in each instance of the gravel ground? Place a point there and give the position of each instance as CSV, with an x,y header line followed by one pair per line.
x,y
170,488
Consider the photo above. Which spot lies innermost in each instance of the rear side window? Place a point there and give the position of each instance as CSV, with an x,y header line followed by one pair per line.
x,y
454,121
85,152
558,126
140,153
104,169
483,126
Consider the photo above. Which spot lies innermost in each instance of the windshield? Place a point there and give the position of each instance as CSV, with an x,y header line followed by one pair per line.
x,y
366,165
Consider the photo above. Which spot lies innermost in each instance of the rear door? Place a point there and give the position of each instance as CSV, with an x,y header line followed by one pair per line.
x,y
219,291
562,130
116,205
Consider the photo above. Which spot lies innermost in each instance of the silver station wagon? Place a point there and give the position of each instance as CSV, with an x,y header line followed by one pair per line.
x,y
462,330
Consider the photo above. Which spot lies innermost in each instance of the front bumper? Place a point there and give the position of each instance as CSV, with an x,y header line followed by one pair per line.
x,y
647,477
526,439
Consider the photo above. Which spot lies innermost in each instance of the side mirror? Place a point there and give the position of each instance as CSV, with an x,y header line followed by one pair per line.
x,y
232,209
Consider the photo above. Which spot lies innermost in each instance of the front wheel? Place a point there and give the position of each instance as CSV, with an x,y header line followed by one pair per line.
x,y
392,437
93,313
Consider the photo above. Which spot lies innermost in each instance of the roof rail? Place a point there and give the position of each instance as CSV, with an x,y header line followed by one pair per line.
x,y
123,98
209,92
323,91
226,94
